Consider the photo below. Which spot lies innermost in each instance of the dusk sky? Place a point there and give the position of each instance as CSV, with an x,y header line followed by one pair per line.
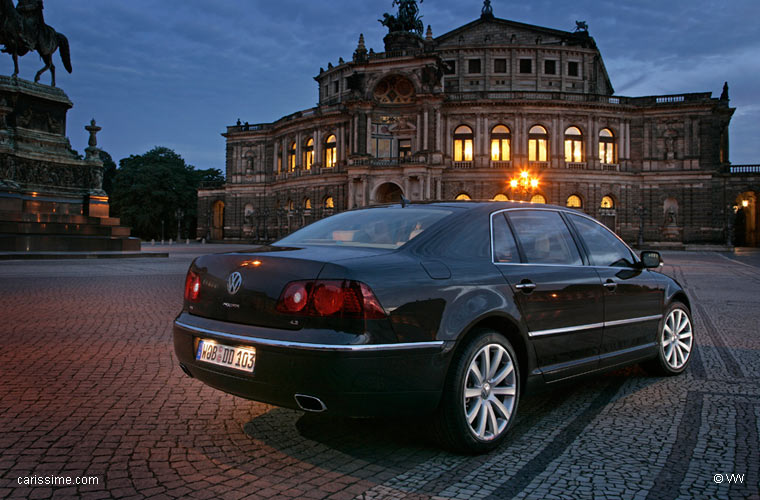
x,y
175,73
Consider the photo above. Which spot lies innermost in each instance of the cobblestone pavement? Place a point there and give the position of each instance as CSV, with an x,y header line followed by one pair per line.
x,y
90,387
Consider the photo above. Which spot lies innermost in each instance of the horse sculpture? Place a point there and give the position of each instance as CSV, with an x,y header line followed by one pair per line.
x,y
20,37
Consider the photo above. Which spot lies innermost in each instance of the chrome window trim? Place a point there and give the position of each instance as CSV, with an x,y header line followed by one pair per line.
x,y
314,347
555,209
592,326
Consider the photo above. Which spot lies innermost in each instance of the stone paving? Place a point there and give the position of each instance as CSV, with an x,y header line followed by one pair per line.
x,y
90,387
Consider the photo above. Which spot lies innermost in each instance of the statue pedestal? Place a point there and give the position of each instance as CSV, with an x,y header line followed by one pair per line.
x,y
50,198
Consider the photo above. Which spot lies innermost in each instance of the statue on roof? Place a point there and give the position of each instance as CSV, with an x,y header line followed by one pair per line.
x,y
407,18
487,11
581,27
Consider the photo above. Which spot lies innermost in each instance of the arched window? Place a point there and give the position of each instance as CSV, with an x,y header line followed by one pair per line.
x,y
538,144
463,196
500,197
290,205
607,202
607,146
279,157
538,198
292,157
307,204
574,201
463,143
329,202
501,143
573,145
308,154
331,152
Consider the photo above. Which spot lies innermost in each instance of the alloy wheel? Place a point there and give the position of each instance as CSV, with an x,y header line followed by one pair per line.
x,y
490,392
677,339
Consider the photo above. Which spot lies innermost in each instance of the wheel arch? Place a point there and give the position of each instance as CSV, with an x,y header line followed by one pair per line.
x,y
509,328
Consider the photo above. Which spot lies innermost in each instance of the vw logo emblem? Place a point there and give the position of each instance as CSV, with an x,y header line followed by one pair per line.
x,y
233,283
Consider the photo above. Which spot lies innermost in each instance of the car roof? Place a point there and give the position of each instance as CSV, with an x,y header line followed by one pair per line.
x,y
478,204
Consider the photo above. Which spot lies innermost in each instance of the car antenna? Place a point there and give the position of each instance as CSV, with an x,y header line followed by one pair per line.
x,y
404,201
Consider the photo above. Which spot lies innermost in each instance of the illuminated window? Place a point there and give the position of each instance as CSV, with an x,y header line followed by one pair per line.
x,y
292,157
574,201
573,145
463,143
538,144
607,202
308,154
405,149
463,196
307,204
279,157
381,145
290,205
331,152
538,198
329,202
501,140
607,146
500,197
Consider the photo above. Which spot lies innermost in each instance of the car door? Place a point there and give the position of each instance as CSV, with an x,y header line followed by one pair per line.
x,y
560,299
632,297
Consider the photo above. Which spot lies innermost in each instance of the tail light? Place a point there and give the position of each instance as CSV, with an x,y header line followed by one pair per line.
x,y
192,286
330,298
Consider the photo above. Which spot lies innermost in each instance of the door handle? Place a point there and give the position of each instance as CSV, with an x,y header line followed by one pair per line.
x,y
610,285
526,286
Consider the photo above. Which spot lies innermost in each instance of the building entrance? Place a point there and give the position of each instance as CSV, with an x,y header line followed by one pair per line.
x,y
746,232
217,227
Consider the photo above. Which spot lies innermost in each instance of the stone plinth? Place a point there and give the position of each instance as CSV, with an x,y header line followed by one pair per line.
x,y
50,198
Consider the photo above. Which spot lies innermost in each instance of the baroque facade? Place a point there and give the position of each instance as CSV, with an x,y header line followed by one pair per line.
x,y
459,115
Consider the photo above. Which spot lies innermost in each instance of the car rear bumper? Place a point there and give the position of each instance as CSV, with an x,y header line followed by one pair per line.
x,y
350,380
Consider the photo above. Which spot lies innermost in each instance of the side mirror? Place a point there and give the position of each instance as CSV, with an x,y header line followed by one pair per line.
x,y
651,259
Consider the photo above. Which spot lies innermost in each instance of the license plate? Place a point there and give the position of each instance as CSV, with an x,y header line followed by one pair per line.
x,y
237,358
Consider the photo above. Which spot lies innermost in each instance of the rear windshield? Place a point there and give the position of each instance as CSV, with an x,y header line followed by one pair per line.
x,y
375,228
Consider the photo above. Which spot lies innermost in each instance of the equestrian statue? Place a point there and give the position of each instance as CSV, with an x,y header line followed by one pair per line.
x,y
23,29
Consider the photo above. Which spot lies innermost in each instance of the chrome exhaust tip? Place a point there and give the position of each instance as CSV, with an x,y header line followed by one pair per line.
x,y
184,369
310,403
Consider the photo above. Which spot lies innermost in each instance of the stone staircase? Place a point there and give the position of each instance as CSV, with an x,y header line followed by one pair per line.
x,y
29,232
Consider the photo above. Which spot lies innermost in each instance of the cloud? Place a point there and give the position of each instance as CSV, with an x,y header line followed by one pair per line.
x,y
179,71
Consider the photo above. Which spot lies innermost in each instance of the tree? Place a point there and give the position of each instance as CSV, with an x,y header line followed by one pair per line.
x,y
109,171
157,187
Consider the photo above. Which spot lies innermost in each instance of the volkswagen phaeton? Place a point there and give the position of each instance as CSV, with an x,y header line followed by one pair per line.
x,y
449,309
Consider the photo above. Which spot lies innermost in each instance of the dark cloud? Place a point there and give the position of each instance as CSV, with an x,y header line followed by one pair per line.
x,y
177,72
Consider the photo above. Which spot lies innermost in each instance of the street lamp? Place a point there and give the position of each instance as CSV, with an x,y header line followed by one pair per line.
x,y
524,184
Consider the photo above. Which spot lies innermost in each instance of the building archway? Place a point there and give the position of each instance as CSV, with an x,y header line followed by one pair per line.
x,y
388,192
746,216
217,224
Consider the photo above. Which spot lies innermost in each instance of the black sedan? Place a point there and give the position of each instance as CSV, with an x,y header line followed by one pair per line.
x,y
453,309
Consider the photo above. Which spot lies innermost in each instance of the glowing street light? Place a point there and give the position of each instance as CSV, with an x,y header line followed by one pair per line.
x,y
524,184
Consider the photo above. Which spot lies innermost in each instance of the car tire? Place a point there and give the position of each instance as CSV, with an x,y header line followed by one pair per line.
x,y
675,341
476,411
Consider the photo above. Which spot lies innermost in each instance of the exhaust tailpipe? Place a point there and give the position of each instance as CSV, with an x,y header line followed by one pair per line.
x,y
184,369
310,403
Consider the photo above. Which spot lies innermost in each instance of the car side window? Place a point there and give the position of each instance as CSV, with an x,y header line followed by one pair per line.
x,y
504,246
544,237
605,249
